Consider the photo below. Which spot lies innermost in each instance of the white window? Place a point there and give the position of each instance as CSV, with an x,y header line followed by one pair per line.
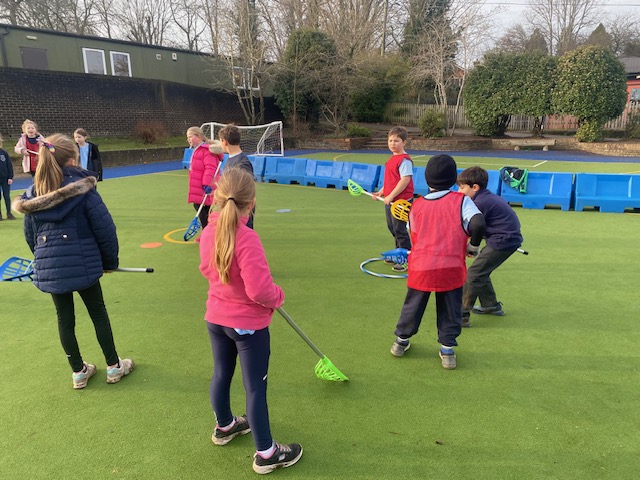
x,y
244,79
94,61
120,64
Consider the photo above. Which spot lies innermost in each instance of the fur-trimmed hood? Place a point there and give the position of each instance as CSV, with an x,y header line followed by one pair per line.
x,y
216,147
52,201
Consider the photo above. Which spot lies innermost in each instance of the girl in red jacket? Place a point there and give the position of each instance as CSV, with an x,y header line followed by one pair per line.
x,y
203,168
240,304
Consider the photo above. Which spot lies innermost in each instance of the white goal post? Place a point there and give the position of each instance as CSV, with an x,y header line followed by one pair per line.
x,y
255,140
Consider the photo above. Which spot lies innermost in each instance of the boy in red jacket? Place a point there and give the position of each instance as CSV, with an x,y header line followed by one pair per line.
x,y
441,223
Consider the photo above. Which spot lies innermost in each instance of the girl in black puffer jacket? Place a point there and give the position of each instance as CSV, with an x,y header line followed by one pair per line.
x,y
73,238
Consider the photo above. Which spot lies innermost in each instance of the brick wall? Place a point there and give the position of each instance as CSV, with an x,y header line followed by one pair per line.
x,y
107,105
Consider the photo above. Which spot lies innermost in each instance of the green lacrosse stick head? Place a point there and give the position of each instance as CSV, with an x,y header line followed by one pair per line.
x,y
354,188
325,370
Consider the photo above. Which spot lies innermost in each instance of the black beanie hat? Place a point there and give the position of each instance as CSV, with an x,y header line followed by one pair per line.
x,y
441,172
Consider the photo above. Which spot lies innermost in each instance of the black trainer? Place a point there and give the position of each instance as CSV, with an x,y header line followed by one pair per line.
x,y
241,427
495,310
284,456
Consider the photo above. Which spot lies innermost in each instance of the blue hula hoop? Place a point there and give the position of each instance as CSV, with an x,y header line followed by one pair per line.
x,y
380,275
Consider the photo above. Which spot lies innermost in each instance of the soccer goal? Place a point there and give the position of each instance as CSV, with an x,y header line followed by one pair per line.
x,y
255,140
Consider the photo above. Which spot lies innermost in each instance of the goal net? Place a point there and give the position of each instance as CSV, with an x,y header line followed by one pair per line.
x,y
254,140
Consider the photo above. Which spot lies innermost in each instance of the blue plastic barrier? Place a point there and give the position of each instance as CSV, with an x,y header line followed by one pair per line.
x,y
363,174
493,185
186,157
284,170
420,186
543,189
258,163
611,192
380,179
323,173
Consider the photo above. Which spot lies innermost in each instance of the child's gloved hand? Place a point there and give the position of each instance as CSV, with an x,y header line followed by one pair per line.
x,y
472,250
207,189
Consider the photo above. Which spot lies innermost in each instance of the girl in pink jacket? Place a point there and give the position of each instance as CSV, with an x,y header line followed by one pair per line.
x,y
240,304
28,146
203,169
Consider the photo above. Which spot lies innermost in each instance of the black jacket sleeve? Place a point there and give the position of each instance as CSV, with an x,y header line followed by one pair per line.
x,y
476,227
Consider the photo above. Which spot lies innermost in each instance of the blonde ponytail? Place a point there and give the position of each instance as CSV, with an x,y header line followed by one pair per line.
x,y
234,195
56,152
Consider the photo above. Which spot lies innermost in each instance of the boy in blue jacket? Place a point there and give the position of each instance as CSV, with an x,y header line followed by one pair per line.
x,y
502,236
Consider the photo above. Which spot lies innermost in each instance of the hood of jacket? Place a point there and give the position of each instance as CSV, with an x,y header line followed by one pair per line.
x,y
55,205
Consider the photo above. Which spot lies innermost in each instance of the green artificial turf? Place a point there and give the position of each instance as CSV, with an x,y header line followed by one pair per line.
x,y
549,391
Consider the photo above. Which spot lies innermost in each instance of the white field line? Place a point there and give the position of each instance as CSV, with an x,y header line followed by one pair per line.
x,y
541,163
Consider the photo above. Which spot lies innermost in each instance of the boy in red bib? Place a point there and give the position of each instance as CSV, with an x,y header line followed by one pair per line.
x,y
398,184
441,224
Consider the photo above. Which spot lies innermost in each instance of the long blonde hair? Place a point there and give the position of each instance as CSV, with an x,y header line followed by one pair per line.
x,y
197,131
55,153
233,196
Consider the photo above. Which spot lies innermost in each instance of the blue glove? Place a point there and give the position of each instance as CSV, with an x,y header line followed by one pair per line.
x,y
207,189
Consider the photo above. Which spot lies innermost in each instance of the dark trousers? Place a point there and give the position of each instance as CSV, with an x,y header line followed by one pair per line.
x,y
478,284
398,229
92,298
203,216
254,351
5,188
448,315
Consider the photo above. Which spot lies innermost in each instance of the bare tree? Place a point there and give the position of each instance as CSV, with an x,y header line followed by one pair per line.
x,y
144,21
448,47
624,32
188,23
210,19
563,22
72,16
243,52
356,25
514,40
10,10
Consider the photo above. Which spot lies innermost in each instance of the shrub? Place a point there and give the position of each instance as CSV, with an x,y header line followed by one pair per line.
x,y
632,128
432,124
590,131
151,132
355,130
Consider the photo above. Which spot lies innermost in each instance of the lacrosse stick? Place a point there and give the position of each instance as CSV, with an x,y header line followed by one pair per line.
x,y
325,370
356,190
141,270
400,210
195,225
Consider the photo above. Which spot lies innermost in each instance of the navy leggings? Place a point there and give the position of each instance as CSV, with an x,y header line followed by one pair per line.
x,y
448,314
5,188
254,351
92,298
